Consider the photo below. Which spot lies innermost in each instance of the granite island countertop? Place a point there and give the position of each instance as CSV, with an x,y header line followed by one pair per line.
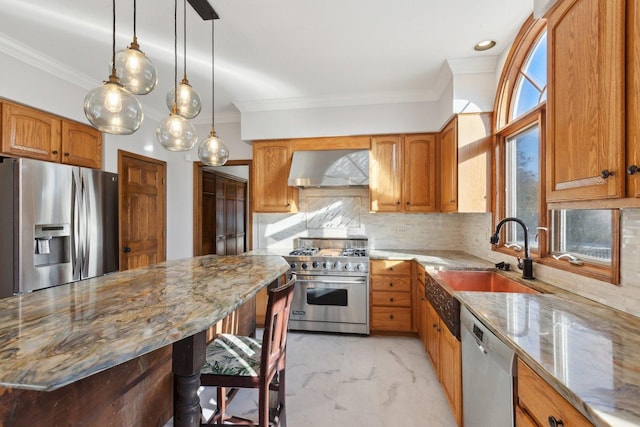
x,y
56,336
588,352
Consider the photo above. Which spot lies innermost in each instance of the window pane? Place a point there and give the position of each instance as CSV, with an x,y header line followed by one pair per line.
x,y
585,234
536,66
530,89
522,179
527,96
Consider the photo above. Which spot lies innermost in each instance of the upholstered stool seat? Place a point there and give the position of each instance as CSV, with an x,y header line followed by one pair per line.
x,y
233,355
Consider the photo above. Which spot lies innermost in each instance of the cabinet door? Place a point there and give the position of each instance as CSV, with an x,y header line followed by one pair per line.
x,y
450,371
633,98
81,145
30,133
385,174
419,173
474,141
449,167
585,127
272,161
433,336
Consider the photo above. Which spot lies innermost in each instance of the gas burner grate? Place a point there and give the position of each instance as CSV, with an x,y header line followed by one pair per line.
x,y
355,252
304,252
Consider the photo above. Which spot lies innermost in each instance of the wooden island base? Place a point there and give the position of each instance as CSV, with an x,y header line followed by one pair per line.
x,y
134,393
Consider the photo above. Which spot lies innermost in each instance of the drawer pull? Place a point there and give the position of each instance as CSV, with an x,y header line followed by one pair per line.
x,y
391,316
553,422
391,284
390,299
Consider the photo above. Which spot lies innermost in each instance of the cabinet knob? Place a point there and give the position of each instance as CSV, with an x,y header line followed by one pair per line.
x,y
126,249
398,202
390,299
391,316
606,173
288,204
408,203
632,170
66,154
54,152
553,422
391,284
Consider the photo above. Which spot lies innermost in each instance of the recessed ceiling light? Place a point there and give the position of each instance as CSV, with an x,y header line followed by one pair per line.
x,y
484,45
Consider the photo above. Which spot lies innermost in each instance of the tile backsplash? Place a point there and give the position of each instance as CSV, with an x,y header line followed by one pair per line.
x,y
345,212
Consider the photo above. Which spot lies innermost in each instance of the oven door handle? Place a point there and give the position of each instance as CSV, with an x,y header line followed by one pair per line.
x,y
332,282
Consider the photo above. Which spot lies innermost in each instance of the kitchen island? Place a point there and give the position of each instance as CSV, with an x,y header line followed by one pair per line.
x,y
57,336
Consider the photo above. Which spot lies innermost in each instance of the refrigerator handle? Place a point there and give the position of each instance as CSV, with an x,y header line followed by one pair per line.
x,y
76,262
86,200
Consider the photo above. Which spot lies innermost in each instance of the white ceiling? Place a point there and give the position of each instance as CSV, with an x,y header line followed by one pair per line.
x,y
268,53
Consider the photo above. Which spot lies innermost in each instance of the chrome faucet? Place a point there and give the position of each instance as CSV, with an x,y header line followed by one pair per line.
x,y
526,264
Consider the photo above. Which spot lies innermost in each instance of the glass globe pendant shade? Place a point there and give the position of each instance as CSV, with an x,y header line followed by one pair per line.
x,y
187,100
135,71
212,151
111,108
175,133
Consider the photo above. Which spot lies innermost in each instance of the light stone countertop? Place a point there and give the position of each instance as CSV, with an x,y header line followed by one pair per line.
x,y
588,352
56,336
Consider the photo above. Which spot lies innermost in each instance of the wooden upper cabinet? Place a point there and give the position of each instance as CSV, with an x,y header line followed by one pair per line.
x,y
402,173
465,163
419,173
81,145
30,133
271,162
586,100
27,132
633,98
385,174
449,167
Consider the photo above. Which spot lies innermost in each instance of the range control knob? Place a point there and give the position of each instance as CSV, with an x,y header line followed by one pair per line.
x,y
336,265
304,266
360,267
293,265
314,264
348,267
326,265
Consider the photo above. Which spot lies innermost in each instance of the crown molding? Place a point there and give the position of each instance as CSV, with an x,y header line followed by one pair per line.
x,y
45,63
333,101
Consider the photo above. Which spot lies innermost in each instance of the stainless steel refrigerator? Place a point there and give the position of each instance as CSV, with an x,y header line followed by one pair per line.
x,y
58,224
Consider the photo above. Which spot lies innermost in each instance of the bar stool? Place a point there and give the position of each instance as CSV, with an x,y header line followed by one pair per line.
x,y
243,362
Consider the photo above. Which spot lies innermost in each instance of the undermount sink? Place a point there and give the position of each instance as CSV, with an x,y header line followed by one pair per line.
x,y
481,281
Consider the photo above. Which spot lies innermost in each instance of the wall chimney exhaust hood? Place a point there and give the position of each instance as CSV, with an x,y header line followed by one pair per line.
x,y
329,168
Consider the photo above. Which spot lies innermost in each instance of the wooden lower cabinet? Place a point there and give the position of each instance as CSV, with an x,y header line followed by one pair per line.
x,y
444,350
390,298
540,404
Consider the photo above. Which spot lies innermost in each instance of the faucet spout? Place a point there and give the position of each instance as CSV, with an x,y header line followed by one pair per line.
x,y
527,263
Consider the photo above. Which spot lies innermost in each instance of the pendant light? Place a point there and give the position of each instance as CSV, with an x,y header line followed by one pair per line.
x,y
212,150
135,71
111,108
175,133
187,99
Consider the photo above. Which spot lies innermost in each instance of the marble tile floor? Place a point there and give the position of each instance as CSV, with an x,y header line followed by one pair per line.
x,y
346,380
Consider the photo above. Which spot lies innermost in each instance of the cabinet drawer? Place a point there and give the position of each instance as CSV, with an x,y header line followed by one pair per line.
x,y
541,401
387,283
522,419
391,299
388,267
391,319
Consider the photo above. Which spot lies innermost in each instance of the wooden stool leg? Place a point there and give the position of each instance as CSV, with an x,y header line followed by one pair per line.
x,y
221,405
263,405
282,415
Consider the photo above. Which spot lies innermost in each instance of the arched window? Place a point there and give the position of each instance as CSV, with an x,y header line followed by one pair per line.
x,y
562,238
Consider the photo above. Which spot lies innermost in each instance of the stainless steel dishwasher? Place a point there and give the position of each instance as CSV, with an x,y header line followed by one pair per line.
x,y
488,368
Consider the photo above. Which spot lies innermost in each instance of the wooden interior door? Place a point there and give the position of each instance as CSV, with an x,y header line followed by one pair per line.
x,y
143,204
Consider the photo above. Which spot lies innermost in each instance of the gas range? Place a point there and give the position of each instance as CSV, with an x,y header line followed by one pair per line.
x,y
345,256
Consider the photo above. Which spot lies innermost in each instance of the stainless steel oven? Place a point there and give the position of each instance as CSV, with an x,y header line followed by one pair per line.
x,y
332,286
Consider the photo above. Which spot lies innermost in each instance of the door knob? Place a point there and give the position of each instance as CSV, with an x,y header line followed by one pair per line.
x,y
126,249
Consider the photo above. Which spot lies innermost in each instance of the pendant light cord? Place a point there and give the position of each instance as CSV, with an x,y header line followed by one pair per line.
x,y
113,40
175,54
212,73
184,25
134,20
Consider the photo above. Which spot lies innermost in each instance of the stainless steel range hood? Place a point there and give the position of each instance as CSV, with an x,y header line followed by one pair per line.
x,y
330,168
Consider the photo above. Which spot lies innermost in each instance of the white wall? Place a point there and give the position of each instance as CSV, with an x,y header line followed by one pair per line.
x,y
338,121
